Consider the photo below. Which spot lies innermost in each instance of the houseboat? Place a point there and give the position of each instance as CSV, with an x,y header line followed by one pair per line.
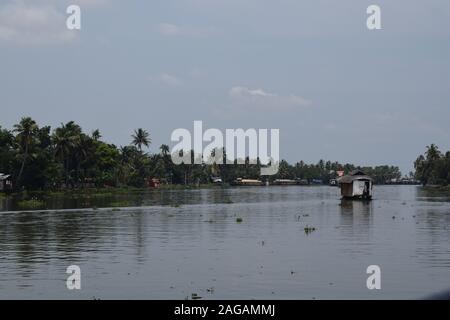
x,y
356,185
247,182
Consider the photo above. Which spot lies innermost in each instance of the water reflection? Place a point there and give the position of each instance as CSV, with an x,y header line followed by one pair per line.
x,y
190,240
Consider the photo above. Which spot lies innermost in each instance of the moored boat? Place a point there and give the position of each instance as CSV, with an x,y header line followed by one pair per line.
x,y
356,185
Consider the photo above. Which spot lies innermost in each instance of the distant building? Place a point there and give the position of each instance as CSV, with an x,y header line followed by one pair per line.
x,y
154,183
216,180
5,182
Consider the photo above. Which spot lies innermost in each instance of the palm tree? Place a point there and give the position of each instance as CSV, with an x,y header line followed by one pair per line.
x,y
66,139
140,138
96,135
26,132
164,149
432,152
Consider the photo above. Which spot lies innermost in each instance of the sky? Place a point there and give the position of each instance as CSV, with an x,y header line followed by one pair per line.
x,y
311,69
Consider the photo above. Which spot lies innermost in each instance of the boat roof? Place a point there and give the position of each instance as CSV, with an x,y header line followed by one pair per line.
x,y
353,176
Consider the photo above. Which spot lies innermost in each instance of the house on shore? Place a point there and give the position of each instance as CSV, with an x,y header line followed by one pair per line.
x,y
356,185
5,182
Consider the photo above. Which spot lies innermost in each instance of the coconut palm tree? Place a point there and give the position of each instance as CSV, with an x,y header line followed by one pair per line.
x,y
140,138
164,149
433,152
26,131
65,140
96,135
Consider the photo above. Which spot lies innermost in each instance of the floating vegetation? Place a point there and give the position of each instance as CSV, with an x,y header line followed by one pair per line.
x,y
120,204
115,209
239,220
309,230
227,201
31,204
175,205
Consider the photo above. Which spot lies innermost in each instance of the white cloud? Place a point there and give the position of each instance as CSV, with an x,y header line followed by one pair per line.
x,y
243,97
37,22
41,23
171,30
168,29
167,80
90,3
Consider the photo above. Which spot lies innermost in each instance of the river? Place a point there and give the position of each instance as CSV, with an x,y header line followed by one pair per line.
x,y
277,242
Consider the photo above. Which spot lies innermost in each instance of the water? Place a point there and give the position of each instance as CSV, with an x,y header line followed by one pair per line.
x,y
161,251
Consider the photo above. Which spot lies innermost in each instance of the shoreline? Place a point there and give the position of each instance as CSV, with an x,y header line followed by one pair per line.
x,y
118,190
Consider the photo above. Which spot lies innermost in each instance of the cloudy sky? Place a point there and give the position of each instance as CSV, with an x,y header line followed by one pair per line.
x,y
310,68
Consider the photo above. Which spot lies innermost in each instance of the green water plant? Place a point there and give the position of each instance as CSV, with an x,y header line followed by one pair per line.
x,y
31,204
309,229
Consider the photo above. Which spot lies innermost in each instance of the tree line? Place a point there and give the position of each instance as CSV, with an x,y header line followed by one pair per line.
x,y
39,158
433,167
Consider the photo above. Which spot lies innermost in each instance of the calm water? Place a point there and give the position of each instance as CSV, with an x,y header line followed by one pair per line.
x,y
169,252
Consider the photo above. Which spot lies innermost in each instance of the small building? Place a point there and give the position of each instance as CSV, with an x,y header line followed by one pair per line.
x,y
216,180
5,182
356,185
154,183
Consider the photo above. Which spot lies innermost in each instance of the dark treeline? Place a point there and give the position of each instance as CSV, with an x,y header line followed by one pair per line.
x,y
39,158
433,168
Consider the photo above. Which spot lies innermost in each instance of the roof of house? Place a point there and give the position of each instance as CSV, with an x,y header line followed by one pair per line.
x,y
4,176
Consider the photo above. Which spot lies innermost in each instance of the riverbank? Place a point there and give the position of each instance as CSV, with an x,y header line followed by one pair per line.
x,y
106,190
437,187
100,197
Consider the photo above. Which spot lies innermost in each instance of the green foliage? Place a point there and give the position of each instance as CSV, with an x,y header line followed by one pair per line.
x,y
30,204
433,167
66,158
